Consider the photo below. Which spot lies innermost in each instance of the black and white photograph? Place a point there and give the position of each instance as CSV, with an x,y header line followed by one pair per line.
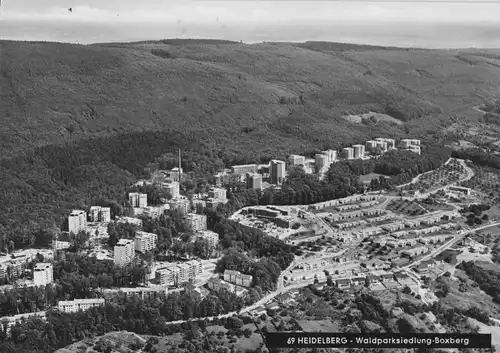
x,y
249,176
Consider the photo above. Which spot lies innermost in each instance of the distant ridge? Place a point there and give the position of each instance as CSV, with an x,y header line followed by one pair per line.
x,y
176,41
335,46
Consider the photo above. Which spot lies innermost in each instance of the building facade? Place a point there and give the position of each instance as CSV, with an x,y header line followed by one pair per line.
x,y
197,222
277,170
77,221
124,252
100,214
73,306
254,181
138,200
359,151
145,242
348,152
295,160
43,274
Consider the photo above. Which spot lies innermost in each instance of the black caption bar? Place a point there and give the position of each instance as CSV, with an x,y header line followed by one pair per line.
x,y
382,340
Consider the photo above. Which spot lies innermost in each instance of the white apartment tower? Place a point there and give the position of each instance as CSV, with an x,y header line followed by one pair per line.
x,y
277,170
295,159
220,194
254,181
145,242
138,200
359,151
331,156
43,274
348,152
172,188
77,221
391,143
371,145
321,160
100,214
197,222
124,252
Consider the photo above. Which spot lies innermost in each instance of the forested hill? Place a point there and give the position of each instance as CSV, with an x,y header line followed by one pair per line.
x,y
79,123
291,94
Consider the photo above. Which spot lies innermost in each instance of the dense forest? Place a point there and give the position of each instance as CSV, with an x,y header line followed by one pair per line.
x,y
149,316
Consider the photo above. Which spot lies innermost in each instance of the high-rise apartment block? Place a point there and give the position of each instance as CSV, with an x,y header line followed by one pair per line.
x,y
391,143
218,194
176,274
382,146
348,152
331,156
295,159
321,160
172,188
211,237
174,174
254,181
145,242
124,252
370,145
238,278
359,151
277,170
138,200
182,205
77,221
72,306
197,222
43,274
410,142
243,169
100,214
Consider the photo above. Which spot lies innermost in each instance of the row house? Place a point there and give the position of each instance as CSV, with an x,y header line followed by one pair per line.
x,y
430,220
351,224
344,208
392,227
378,219
400,234
415,251
448,226
425,231
370,231
403,278
373,212
367,203
432,239
345,258
412,223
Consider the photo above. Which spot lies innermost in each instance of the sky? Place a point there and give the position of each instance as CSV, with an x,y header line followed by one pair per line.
x,y
250,11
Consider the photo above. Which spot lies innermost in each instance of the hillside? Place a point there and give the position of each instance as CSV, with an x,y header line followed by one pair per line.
x,y
78,123
49,91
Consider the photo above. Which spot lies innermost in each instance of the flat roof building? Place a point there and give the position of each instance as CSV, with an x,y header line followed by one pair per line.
x,y
124,252
43,274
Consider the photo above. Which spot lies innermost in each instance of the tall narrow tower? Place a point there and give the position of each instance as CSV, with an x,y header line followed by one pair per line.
x,y
180,166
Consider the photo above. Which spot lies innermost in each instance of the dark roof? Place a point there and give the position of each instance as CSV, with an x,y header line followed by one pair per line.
x,y
401,275
343,281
